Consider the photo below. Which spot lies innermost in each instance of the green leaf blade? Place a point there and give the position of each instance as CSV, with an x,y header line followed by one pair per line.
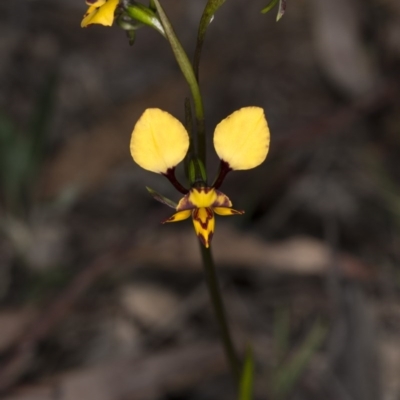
x,y
210,9
247,377
162,199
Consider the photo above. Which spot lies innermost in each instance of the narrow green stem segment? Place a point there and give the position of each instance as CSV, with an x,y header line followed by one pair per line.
x,y
270,6
188,73
210,9
189,128
216,300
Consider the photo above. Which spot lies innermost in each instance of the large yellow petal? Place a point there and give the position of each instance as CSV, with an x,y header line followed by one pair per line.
x,y
103,15
242,139
92,10
159,141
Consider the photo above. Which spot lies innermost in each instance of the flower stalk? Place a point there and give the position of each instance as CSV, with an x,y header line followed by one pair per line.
x,y
219,309
187,71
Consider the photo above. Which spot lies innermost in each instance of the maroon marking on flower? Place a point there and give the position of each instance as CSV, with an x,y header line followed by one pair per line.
x,y
185,204
224,169
222,200
204,224
237,211
202,239
170,175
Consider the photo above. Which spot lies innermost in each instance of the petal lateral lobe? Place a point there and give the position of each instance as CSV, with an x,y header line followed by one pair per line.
x,y
225,211
179,216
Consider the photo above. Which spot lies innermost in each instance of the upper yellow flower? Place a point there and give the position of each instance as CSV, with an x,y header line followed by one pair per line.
x,y
159,142
99,12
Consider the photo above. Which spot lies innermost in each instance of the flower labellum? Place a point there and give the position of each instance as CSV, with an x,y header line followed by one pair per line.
x,y
201,204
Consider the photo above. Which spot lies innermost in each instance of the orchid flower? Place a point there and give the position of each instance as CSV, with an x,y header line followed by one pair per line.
x,y
160,142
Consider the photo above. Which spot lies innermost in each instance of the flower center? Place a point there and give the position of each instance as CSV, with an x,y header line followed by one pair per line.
x,y
203,197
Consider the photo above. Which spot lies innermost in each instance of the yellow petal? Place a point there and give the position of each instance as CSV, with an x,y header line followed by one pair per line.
x,y
222,200
159,141
179,216
204,224
198,198
242,139
185,203
103,14
224,211
203,197
88,16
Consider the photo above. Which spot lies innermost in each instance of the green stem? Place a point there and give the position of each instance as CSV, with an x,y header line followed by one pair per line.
x,y
216,299
188,73
189,128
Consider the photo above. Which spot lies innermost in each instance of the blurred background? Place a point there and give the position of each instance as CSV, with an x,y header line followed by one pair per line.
x,y
99,301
